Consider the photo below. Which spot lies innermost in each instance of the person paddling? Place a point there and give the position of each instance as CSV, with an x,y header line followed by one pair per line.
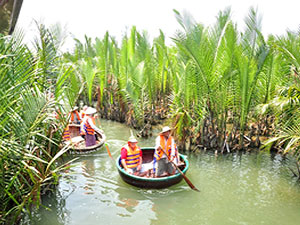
x,y
165,144
131,156
88,127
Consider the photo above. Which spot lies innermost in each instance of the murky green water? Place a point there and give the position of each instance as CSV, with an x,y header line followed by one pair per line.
x,y
235,189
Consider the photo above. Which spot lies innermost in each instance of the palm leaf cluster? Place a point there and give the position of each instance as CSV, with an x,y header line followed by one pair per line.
x,y
226,67
33,88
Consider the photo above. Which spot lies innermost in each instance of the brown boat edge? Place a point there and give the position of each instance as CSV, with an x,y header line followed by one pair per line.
x,y
149,182
78,143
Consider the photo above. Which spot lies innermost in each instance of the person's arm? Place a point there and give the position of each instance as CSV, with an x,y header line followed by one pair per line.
x,y
157,143
123,158
93,125
174,153
140,160
82,130
172,149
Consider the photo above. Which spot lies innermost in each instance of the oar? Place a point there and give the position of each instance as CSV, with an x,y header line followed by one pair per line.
x,y
185,178
107,148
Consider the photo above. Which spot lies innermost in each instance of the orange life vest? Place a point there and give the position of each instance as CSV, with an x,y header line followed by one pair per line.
x,y
166,146
87,127
77,115
82,113
66,134
133,156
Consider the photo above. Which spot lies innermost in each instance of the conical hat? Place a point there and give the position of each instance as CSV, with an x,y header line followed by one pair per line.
x,y
90,110
132,139
165,129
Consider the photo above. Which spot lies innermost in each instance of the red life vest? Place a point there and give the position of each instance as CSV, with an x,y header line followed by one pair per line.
x,y
87,127
133,156
166,146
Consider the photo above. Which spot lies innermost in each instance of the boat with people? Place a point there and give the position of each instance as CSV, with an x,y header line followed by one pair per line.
x,y
77,142
81,133
146,181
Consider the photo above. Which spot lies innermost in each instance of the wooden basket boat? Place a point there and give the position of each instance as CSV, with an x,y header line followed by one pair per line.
x,y
152,183
78,143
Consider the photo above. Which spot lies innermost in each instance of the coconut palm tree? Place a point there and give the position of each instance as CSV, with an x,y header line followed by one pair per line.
x,y
206,61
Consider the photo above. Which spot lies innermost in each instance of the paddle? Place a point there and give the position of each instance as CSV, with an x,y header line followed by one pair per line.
x,y
107,148
185,178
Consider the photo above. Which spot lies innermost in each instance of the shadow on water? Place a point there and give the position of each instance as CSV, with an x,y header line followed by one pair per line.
x,y
239,188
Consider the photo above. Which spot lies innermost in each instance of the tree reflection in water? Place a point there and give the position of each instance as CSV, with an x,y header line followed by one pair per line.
x,y
52,212
88,171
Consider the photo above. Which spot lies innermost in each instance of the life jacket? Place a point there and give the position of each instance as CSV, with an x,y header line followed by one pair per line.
x,y
82,114
166,146
66,134
87,127
77,116
133,156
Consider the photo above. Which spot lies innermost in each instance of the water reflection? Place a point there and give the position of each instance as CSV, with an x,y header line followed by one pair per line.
x,y
128,199
88,171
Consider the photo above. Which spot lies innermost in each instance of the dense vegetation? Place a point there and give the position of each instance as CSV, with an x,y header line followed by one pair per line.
x,y
33,89
218,87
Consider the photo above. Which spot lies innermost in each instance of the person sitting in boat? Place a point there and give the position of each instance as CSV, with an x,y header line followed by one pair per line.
x,y
75,117
131,156
88,127
165,144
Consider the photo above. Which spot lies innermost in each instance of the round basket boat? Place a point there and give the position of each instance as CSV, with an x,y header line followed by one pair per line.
x,y
78,143
152,183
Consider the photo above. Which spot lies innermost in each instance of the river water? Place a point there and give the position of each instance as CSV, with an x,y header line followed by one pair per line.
x,y
234,189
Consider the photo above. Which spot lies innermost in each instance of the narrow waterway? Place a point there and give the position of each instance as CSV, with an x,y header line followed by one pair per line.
x,y
235,189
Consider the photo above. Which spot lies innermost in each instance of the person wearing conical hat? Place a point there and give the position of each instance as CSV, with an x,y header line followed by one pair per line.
x,y
165,144
88,127
131,156
74,116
